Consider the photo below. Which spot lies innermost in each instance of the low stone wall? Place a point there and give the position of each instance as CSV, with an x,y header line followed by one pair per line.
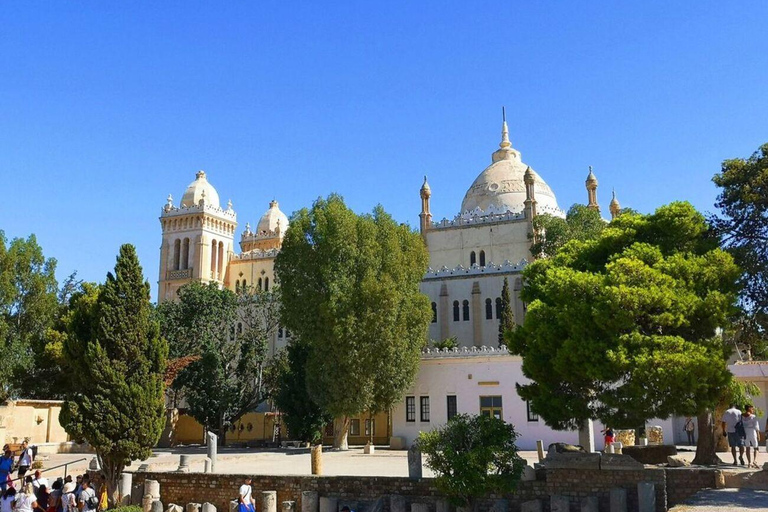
x,y
673,485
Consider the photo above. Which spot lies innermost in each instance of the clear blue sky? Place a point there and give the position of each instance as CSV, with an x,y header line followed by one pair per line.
x,y
106,107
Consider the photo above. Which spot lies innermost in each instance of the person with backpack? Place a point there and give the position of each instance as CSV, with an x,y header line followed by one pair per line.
x,y
731,422
25,460
88,501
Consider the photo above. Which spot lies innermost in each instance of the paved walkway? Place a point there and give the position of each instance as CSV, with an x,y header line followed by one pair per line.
x,y
726,500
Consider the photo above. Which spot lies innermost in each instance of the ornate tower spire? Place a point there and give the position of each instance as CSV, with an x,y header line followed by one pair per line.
x,y
591,184
505,151
425,217
614,207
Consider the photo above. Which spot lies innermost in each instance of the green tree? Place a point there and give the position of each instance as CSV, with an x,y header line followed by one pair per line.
x,y
743,229
446,344
473,456
622,328
28,309
117,360
351,293
551,232
229,332
507,319
303,417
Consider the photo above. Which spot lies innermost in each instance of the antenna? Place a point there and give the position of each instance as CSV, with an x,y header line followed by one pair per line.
x,y
503,114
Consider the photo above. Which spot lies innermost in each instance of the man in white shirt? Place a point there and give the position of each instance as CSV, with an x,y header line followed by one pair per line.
x,y
25,460
730,418
246,497
39,481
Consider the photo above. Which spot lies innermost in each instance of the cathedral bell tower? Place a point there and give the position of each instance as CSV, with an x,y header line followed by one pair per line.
x,y
198,239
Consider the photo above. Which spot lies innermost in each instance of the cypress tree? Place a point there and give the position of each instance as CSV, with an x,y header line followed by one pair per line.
x,y
506,319
118,361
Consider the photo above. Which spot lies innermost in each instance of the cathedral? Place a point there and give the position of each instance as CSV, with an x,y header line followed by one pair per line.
x,y
470,255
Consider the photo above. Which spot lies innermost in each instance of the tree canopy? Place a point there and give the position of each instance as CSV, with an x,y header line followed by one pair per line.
x,y
621,328
117,362
551,232
351,293
743,229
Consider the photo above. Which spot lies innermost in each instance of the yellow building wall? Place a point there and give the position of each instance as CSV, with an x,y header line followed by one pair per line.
x,y
252,427
381,430
35,420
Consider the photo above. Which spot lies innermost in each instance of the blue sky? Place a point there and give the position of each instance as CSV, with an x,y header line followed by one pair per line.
x,y
106,107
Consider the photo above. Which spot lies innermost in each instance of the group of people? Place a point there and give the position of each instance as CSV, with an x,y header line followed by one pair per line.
x,y
743,432
35,494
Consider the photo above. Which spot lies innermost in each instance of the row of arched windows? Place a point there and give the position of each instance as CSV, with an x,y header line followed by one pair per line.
x,y
263,285
461,311
473,258
181,254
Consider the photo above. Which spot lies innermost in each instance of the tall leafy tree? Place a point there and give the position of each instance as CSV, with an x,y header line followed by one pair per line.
x,y
507,318
551,232
229,332
28,308
351,293
117,360
622,328
743,228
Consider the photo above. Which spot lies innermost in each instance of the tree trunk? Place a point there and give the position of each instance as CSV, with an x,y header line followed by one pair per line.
x,y
705,447
222,431
112,471
340,430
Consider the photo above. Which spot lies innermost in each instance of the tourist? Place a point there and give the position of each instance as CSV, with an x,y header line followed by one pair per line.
x,y
39,481
87,502
690,429
68,500
730,419
7,498
608,437
751,434
78,487
54,504
25,459
246,497
25,500
43,498
6,466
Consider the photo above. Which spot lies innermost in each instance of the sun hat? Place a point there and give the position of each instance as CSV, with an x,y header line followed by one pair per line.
x,y
68,487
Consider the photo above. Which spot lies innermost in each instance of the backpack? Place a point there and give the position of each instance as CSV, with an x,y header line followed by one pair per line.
x,y
740,429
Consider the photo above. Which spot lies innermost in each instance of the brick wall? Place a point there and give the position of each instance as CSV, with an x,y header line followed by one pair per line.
x,y
673,485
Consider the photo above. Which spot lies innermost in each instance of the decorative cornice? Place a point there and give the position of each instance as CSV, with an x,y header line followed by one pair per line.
x,y
256,254
458,352
175,211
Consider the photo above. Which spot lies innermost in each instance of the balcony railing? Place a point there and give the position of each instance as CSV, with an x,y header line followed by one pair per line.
x,y
179,274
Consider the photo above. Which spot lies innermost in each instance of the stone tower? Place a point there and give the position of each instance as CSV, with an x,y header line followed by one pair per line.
x,y
198,239
591,184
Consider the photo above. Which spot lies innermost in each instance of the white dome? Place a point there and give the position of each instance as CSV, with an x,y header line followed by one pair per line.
x,y
500,187
273,219
197,190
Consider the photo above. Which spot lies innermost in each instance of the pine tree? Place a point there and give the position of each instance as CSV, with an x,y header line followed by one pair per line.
x,y
118,361
506,319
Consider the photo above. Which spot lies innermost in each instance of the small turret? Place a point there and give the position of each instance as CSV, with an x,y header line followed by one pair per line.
x,y
425,217
591,184
614,207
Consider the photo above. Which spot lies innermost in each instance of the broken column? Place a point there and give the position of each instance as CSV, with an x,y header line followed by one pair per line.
x,y
209,507
212,442
269,501
316,459
124,488
183,464
310,501
414,462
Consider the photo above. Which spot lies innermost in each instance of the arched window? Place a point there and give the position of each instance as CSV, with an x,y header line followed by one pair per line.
x,y
214,253
245,285
239,328
488,309
280,332
455,311
482,258
498,307
472,258
185,254
465,310
260,284
176,254
237,286
434,312
266,284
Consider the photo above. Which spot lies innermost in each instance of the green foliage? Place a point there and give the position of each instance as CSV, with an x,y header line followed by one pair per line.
x,y
743,229
446,344
622,328
304,419
351,293
473,456
551,233
117,361
507,319
229,332
127,508
28,308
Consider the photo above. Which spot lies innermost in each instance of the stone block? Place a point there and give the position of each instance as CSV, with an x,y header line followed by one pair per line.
x,y
529,474
442,505
157,506
397,443
289,506
193,507
532,506
616,461
174,508
419,507
327,504
209,507
618,500
574,460
656,454
269,501
646,497
655,435
208,465
414,462
625,437
618,447
676,461
310,501
369,448
396,503
589,504
152,488
559,503
556,448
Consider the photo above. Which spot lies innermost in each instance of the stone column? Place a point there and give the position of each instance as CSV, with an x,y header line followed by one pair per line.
x,y
310,501
327,505
316,459
646,497
587,436
124,488
269,501
444,312
209,507
414,462
207,465
152,488
477,315
183,464
212,441
540,449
